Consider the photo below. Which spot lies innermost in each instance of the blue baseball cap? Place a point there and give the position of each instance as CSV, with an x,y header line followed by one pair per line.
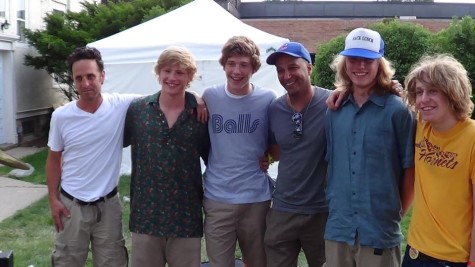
x,y
364,43
292,49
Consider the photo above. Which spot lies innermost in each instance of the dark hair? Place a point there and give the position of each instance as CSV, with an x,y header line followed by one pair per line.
x,y
85,53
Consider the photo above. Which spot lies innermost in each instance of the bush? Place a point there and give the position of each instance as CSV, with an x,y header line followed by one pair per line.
x,y
405,43
322,74
459,40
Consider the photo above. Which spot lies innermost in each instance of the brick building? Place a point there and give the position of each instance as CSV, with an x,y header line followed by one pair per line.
x,y
312,23
312,32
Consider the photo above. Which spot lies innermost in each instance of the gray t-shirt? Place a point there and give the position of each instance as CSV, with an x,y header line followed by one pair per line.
x,y
301,179
238,130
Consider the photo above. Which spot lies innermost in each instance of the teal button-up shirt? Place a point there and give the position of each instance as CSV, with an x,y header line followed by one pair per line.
x,y
368,148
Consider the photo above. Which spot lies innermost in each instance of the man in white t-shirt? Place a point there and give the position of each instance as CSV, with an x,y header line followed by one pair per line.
x,y
82,168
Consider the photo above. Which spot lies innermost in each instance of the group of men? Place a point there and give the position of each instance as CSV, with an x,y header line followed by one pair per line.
x,y
345,176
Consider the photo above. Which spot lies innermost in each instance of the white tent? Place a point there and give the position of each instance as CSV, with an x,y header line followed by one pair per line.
x,y
202,26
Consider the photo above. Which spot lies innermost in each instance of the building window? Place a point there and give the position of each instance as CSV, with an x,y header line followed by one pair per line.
x,y
3,8
21,20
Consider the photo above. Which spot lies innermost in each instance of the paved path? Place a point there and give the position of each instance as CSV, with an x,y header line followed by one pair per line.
x,y
16,194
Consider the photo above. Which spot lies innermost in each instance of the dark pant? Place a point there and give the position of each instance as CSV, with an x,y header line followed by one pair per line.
x,y
408,262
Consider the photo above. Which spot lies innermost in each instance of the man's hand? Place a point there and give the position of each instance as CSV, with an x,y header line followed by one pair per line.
x,y
396,88
57,210
335,98
264,162
201,110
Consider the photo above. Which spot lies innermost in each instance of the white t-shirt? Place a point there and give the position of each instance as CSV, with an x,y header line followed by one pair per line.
x,y
91,145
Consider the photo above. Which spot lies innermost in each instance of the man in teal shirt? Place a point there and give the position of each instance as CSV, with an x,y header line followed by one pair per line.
x,y
370,154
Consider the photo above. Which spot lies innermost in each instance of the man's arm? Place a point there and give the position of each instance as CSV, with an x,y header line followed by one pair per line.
x,y
201,110
338,95
271,156
407,190
53,180
274,152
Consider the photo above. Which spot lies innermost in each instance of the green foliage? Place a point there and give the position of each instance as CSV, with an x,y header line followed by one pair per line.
x,y
66,31
459,40
322,74
405,43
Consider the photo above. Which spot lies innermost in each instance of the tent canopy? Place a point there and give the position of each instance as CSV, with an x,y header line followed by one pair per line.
x,y
202,26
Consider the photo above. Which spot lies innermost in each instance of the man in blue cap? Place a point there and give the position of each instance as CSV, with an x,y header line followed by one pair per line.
x,y
370,156
299,210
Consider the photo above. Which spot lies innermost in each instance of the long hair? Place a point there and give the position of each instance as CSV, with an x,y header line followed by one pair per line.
x,y
384,76
444,73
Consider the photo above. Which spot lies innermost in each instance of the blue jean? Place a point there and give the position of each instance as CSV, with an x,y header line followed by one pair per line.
x,y
408,262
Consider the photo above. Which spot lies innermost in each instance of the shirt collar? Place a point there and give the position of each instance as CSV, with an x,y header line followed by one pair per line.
x,y
375,98
190,100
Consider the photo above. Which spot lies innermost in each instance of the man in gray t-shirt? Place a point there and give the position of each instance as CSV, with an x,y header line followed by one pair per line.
x,y
299,210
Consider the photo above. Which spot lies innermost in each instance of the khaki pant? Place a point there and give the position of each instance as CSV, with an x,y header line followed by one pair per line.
x,y
340,254
96,227
151,251
227,223
287,233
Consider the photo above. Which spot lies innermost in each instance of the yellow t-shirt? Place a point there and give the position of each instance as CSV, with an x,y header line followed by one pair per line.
x,y
442,215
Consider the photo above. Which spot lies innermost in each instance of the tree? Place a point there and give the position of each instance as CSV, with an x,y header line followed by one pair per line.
x,y
66,31
322,74
405,43
459,40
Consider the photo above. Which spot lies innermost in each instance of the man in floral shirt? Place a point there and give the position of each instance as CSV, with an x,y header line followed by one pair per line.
x,y
166,187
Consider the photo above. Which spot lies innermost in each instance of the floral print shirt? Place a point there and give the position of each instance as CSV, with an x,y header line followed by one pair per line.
x,y
166,183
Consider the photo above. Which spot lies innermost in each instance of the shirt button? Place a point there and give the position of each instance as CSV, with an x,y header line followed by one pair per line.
x,y
354,153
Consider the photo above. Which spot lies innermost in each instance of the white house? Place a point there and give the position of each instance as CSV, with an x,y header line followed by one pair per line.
x,y
26,95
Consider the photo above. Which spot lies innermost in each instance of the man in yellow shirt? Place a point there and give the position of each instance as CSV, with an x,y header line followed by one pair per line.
x,y
441,232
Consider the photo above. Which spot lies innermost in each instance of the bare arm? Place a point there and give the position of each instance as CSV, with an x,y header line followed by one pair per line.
x,y
202,111
336,97
407,190
274,152
53,180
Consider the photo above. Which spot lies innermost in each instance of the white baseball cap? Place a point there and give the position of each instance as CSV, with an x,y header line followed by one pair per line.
x,y
364,43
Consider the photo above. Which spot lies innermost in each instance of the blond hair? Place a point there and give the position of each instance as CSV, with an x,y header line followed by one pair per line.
x,y
444,73
383,78
177,55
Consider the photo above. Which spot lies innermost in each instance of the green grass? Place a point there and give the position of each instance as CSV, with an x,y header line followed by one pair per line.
x,y
29,233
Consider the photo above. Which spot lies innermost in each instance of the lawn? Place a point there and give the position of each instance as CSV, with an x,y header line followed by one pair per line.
x,y
29,233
